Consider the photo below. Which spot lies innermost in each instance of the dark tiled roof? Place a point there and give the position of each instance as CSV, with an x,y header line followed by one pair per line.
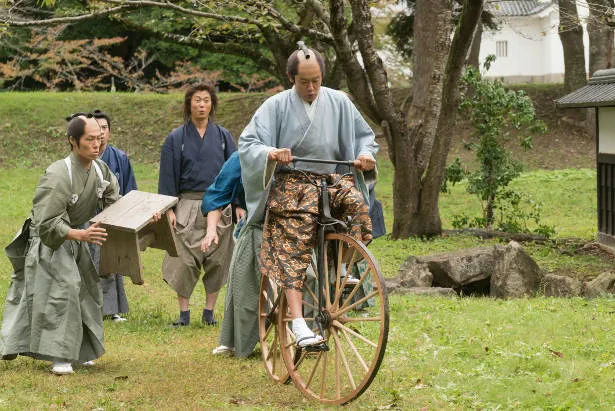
x,y
506,8
599,91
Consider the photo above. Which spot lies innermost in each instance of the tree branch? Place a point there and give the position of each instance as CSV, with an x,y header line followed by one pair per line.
x,y
357,81
225,48
383,99
8,19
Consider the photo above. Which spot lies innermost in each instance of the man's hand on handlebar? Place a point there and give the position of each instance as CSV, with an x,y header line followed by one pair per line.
x,y
281,155
364,163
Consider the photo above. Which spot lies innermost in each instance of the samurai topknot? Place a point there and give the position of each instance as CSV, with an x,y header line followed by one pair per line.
x,y
292,65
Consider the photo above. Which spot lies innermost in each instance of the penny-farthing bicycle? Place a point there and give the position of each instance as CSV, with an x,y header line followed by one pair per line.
x,y
346,303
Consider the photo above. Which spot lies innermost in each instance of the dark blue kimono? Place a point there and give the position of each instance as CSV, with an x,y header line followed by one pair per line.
x,y
181,160
120,165
114,294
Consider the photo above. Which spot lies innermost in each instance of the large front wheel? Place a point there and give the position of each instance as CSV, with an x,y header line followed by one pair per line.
x,y
356,325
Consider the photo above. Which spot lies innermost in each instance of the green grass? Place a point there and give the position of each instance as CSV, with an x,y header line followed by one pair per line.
x,y
443,353
140,122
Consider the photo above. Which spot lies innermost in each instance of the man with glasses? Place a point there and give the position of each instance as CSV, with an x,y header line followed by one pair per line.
x,y
191,158
53,305
115,302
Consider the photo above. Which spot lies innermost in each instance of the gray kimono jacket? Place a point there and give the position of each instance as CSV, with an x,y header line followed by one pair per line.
x,y
337,132
54,304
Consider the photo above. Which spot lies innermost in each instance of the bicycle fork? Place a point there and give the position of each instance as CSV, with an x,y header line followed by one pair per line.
x,y
322,318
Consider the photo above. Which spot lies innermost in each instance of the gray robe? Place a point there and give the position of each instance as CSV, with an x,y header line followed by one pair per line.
x,y
338,132
54,303
240,325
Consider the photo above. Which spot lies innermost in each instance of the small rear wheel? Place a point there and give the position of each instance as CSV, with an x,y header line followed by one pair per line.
x,y
356,329
269,336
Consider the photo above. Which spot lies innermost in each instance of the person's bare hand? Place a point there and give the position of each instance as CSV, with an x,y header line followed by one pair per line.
x,y
94,234
364,163
239,213
281,155
172,217
157,216
208,240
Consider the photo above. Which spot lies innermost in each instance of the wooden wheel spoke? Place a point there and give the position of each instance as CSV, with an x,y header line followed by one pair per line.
x,y
338,291
300,361
354,350
314,369
323,379
274,349
356,288
314,298
337,374
291,339
338,269
309,304
345,308
360,319
338,345
353,332
268,332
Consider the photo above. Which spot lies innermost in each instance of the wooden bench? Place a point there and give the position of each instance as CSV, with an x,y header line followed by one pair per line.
x,y
131,229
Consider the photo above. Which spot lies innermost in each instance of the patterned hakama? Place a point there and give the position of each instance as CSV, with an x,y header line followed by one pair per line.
x,y
289,236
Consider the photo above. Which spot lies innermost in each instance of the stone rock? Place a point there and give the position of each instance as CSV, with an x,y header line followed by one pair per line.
x,y
601,285
392,284
413,273
515,273
458,268
561,286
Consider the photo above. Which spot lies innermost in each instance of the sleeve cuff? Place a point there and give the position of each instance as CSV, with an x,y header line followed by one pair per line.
x,y
268,174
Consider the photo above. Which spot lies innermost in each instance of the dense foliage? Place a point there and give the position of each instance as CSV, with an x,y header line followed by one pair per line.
x,y
145,49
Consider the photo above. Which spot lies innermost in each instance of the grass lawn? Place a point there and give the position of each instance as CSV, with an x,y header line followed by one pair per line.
x,y
443,353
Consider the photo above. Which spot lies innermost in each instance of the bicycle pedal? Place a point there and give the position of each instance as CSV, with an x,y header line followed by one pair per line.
x,y
317,348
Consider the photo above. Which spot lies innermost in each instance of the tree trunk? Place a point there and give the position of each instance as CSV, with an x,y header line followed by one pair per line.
x,y
600,49
432,27
571,35
428,214
475,48
355,75
599,33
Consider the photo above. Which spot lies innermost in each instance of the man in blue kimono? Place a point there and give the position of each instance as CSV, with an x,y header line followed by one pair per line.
x,y
191,158
305,121
114,294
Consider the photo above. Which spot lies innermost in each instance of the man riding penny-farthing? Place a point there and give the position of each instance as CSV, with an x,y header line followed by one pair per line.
x,y
330,334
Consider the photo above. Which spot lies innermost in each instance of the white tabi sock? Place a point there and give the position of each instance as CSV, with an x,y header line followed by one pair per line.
x,y
303,335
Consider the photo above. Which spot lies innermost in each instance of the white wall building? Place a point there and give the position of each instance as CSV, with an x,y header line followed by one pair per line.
x,y
527,46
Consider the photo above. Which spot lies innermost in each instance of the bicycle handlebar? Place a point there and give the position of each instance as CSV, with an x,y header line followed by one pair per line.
x,y
349,163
